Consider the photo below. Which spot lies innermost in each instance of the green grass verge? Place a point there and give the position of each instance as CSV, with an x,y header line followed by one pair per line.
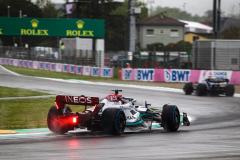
x,y
26,113
51,74
17,92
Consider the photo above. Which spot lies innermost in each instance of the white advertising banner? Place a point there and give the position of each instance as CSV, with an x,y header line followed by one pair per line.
x,y
59,67
86,70
214,74
144,74
35,65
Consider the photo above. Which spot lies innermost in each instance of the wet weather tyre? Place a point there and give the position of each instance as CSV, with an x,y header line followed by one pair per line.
x,y
54,121
170,118
188,88
113,121
229,90
201,90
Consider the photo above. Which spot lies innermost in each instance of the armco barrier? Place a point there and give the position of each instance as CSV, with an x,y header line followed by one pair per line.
x,y
58,67
177,75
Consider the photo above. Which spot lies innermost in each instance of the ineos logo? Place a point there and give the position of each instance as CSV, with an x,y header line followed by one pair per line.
x,y
78,99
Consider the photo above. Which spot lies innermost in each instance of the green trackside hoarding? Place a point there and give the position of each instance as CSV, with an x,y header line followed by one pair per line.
x,y
60,27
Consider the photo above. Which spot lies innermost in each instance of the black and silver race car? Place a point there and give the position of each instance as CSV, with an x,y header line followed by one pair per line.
x,y
210,86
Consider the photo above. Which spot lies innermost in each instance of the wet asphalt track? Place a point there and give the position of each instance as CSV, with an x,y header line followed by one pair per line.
x,y
214,134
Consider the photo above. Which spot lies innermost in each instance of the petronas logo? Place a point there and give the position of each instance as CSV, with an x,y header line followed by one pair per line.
x,y
34,23
80,24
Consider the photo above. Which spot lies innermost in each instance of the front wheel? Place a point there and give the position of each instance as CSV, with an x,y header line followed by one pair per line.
x,y
201,89
188,88
170,118
113,121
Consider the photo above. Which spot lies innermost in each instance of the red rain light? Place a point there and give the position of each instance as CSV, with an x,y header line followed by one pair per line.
x,y
74,120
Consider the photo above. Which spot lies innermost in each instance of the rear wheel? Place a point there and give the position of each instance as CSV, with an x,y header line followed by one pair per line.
x,y
229,90
188,88
170,118
55,120
201,90
113,121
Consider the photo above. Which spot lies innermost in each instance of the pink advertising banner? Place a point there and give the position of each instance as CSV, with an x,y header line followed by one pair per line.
x,y
160,75
235,78
177,75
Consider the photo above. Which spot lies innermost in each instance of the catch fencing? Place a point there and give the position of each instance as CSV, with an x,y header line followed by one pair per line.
x,y
49,54
216,54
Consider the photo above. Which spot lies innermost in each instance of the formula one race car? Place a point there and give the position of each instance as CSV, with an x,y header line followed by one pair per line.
x,y
112,115
212,86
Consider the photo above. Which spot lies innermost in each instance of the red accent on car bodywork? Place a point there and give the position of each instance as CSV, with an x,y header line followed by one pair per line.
x,y
114,97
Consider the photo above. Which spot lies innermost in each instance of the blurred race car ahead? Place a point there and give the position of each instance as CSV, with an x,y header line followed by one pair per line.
x,y
212,86
112,115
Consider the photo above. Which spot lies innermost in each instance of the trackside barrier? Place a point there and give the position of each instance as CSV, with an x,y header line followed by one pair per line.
x,y
177,75
58,67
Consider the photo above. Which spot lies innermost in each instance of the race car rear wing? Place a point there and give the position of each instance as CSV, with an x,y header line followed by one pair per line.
x,y
217,80
61,100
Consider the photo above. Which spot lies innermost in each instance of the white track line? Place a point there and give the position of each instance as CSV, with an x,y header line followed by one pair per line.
x,y
11,72
24,134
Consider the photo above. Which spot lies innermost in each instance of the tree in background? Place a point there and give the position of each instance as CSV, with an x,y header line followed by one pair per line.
x,y
27,9
48,9
176,13
232,32
179,46
207,17
155,47
115,15
184,46
39,9
117,26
